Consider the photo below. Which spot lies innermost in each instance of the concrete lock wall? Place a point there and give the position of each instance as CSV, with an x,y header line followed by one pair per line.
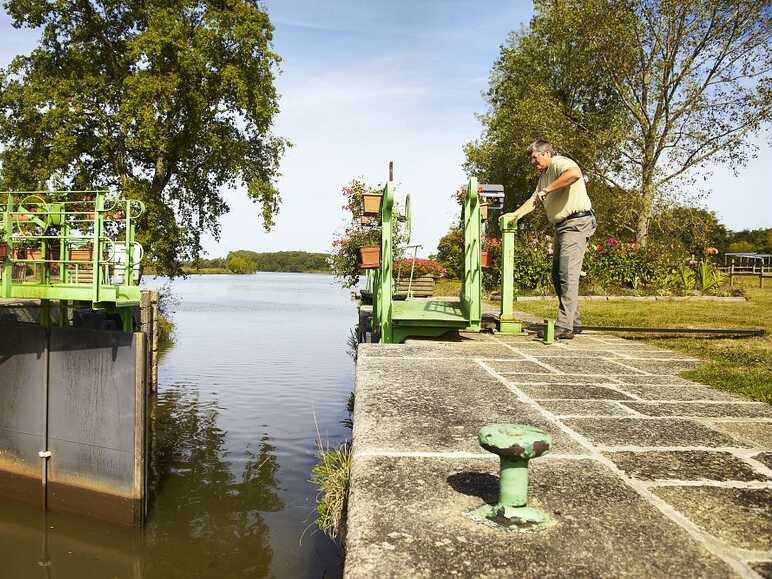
x,y
82,395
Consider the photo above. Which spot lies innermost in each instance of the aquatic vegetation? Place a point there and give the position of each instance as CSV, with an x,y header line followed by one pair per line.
x,y
333,476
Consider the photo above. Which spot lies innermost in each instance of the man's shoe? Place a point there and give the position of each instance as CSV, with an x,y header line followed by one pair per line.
x,y
563,334
560,333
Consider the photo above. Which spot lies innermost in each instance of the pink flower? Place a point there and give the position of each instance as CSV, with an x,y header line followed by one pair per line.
x,y
611,242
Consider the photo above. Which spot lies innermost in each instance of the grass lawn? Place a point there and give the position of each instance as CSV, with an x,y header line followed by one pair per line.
x,y
741,365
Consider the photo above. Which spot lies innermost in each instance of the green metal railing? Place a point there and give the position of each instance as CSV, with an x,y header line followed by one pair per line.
x,y
70,246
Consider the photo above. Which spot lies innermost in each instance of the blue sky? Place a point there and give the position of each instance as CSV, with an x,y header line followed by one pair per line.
x,y
366,82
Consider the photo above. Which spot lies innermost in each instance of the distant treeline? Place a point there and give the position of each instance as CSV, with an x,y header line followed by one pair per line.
x,y
244,261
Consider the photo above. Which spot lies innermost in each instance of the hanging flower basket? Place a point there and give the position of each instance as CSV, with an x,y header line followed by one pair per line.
x,y
371,204
370,257
485,259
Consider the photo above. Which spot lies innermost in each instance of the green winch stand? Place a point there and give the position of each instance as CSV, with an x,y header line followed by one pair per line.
x,y
398,320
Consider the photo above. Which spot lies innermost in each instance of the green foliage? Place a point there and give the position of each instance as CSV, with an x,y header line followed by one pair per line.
x,y
332,475
533,264
450,252
751,241
683,278
170,103
345,261
640,94
708,276
244,261
360,232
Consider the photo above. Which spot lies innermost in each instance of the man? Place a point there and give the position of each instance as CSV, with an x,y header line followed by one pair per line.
x,y
562,192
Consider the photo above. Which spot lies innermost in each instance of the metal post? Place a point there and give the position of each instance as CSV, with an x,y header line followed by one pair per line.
x,y
386,291
96,246
507,322
8,239
731,274
471,292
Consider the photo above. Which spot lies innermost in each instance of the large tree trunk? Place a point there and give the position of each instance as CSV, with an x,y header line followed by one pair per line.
x,y
647,207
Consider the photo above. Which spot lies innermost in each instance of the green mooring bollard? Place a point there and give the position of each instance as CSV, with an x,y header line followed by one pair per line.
x,y
549,332
515,444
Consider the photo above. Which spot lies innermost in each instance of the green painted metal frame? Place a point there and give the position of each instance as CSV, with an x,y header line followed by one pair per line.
x,y
397,321
64,210
508,324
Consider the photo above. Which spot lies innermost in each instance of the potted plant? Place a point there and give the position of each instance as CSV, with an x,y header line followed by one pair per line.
x,y
346,261
371,204
370,257
485,259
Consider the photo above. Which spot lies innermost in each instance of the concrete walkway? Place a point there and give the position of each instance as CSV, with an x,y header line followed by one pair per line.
x,y
650,475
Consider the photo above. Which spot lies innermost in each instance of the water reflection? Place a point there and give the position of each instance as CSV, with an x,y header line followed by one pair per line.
x,y
259,370
206,512
204,509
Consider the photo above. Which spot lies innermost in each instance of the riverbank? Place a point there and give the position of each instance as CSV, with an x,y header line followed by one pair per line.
x,y
650,475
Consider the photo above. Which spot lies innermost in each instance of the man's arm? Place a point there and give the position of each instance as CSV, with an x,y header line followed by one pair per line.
x,y
565,179
509,220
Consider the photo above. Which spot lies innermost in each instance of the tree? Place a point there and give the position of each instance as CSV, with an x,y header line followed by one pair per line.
x,y
450,252
684,83
167,101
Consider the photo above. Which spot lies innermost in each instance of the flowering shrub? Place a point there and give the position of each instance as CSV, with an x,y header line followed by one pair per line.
x,y
344,260
352,194
616,264
422,267
610,265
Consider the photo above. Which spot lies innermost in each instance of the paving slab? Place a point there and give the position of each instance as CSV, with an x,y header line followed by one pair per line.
x,y
682,392
435,349
665,379
764,458
406,519
686,465
597,365
662,367
582,407
515,378
724,409
763,568
758,434
576,391
666,432
435,406
740,516
519,367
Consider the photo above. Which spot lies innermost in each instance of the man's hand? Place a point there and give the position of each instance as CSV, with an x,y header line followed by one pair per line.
x,y
540,195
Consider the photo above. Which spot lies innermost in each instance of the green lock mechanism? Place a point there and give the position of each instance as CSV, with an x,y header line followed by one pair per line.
x,y
515,444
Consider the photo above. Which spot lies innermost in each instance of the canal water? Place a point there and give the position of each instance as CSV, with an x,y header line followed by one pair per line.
x,y
260,372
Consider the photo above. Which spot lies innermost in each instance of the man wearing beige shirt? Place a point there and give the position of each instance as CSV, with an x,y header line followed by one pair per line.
x,y
562,192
